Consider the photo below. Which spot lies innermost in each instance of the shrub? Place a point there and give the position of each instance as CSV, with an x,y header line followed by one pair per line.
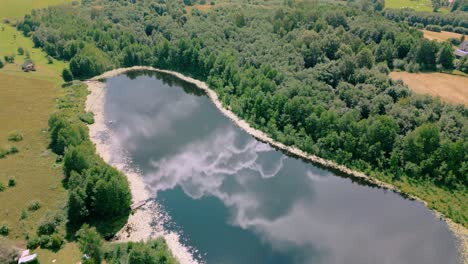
x,y
11,182
7,151
67,75
87,117
399,64
15,136
56,242
9,58
33,243
455,41
419,26
463,64
1,64
447,28
50,60
44,241
13,150
34,205
434,28
24,214
4,230
2,187
20,51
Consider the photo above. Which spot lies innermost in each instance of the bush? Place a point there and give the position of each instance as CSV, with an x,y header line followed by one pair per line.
x,y
2,187
20,51
399,64
15,136
56,242
34,205
455,41
419,26
24,214
44,241
11,182
447,28
50,60
434,28
9,58
412,67
33,243
4,230
1,64
7,151
463,64
87,117
67,75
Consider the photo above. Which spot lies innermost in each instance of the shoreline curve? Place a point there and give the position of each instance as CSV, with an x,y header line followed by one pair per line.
x,y
460,232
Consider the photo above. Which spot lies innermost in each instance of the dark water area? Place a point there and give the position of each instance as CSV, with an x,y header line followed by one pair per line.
x,y
238,200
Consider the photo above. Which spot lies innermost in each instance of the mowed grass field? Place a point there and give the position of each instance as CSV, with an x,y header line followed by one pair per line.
x,y
448,87
14,9
440,36
26,102
417,5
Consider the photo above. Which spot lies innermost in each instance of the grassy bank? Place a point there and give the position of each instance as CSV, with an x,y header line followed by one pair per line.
x,y
26,102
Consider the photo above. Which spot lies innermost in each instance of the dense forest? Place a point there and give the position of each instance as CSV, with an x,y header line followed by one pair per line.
x,y
310,75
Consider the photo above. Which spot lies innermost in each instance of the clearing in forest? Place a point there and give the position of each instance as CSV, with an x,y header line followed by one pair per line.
x,y
450,88
440,36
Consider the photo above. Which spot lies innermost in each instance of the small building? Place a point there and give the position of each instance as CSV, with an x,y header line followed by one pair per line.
x,y
462,50
25,257
28,66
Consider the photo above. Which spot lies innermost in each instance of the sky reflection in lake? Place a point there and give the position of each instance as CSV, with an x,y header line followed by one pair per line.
x,y
238,200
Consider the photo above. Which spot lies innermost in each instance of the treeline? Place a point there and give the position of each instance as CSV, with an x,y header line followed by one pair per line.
x,y
311,76
96,250
454,22
98,193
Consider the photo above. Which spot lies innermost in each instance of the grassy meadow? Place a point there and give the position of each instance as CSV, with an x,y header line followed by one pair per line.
x,y
14,9
26,102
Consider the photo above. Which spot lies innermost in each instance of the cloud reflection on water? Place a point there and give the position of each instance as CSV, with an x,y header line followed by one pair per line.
x,y
179,140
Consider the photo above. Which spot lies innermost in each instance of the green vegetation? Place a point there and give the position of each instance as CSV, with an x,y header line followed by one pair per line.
x,y
98,193
417,5
454,22
316,78
15,136
14,9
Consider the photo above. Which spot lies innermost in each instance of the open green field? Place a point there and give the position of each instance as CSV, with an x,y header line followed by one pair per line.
x,y
26,102
14,9
417,5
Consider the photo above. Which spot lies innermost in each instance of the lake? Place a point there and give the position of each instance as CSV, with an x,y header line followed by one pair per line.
x,y
234,199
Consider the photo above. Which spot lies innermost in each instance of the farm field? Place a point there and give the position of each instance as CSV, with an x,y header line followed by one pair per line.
x,y
14,9
440,36
449,88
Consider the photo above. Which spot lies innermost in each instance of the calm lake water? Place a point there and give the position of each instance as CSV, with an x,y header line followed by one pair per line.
x,y
238,200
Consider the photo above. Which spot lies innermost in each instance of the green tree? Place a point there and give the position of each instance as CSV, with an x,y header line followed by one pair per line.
x,y
78,159
365,58
90,243
426,54
445,56
67,75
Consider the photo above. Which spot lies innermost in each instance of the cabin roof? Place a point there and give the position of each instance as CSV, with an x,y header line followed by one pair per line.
x,y
27,258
